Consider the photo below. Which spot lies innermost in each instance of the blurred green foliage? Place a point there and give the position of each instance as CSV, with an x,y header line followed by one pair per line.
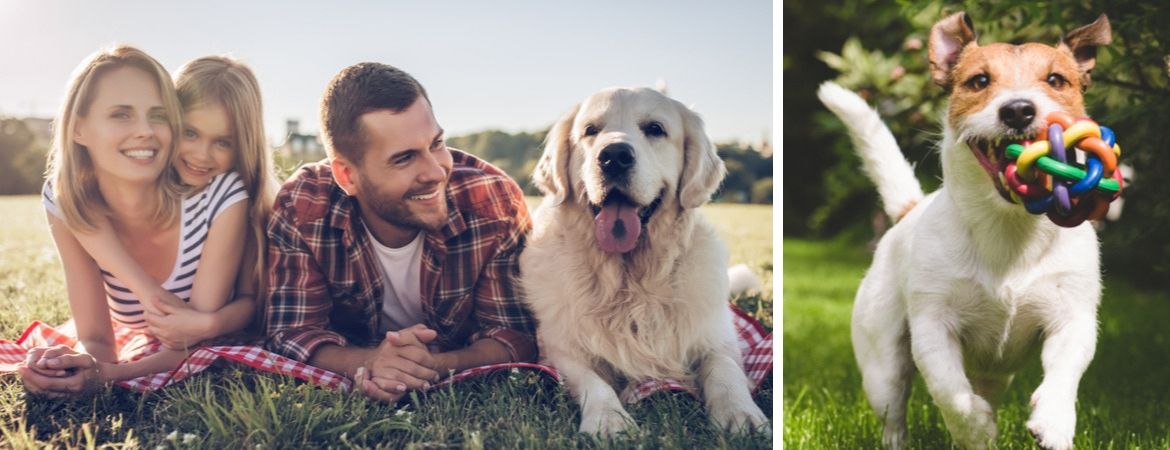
x,y
879,50
22,157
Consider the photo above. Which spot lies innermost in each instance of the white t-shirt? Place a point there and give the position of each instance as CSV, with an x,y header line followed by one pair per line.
x,y
199,212
402,283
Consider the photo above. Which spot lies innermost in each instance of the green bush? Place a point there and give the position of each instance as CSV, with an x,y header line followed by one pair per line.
x,y
22,158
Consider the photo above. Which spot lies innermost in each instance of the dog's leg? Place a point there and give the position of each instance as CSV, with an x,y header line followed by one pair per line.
x,y
887,372
601,409
881,344
1067,352
725,391
969,417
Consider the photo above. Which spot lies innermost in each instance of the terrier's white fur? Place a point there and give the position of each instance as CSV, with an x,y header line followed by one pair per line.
x,y
967,286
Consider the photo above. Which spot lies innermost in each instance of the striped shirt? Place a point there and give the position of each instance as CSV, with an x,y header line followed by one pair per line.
x,y
199,211
325,283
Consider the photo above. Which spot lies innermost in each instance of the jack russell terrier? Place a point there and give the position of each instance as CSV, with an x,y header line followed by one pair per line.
x,y
967,285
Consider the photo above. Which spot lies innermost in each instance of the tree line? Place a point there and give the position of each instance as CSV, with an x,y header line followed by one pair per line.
x,y
749,177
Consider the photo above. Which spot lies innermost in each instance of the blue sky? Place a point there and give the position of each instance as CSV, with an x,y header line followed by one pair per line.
x,y
515,65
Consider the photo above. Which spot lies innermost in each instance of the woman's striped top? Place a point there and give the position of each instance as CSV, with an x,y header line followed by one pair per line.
x,y
199,211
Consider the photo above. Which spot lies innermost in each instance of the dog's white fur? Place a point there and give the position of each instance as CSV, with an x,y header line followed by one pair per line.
x,y
966,286
742,281
658,311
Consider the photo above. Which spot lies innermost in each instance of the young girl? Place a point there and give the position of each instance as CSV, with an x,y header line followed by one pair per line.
x,y
114,203
223,132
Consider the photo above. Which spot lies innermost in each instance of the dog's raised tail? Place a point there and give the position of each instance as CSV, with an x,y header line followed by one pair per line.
x,y
880,155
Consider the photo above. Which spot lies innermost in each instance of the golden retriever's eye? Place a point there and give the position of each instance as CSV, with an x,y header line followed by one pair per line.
x,y
590,130
1057,81
653,129
977,82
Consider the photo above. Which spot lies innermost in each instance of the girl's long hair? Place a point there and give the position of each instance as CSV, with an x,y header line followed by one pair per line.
x,y
224,80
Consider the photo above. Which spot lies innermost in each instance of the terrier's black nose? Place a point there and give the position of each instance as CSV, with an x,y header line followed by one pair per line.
x,y
616,159
1017,114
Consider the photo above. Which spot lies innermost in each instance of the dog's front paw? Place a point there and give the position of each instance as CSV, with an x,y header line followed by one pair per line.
x,y
971,421
607,422
1054,419
735,416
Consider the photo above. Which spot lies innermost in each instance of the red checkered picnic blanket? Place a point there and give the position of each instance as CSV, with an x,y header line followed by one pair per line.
x,y
754,342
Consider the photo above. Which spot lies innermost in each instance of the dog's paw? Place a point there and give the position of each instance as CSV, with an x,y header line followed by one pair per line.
x,y
607,422
733,416
893,436
971,421
1054,419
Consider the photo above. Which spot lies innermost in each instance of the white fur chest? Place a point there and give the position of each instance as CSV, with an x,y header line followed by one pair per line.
x,y
998,288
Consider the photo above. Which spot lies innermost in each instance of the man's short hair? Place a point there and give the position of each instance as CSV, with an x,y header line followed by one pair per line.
x,y
356,90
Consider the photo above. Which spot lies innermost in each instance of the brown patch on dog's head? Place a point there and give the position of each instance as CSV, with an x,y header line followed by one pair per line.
x,y
983,74
1002,93
976,75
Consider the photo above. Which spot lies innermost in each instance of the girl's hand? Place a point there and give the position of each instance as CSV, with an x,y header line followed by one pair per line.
x,y
177,325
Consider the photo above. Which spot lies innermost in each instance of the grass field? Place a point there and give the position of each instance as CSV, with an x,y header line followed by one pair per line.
x,y
1124,400
232,407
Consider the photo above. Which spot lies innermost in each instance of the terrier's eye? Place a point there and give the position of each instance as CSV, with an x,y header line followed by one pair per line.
x,y
590,130
1057,81
978,82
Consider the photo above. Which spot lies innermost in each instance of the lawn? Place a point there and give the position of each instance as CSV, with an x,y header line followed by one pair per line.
x,y
1122,401
234,407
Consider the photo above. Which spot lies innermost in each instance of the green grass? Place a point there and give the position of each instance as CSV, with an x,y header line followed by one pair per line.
x,y
235,407
1123,397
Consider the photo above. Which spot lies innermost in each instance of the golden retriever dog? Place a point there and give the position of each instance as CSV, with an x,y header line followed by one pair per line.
x,y
627,281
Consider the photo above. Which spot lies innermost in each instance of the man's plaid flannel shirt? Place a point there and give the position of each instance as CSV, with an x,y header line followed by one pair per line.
x,y
325,284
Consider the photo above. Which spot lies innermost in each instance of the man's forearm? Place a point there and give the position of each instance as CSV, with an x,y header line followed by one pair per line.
x,y
343,360
479,353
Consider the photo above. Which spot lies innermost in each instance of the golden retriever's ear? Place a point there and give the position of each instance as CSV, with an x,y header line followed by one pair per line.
x,y
551,175
702,168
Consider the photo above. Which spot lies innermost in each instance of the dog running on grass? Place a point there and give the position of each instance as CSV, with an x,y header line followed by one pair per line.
x,y
967,285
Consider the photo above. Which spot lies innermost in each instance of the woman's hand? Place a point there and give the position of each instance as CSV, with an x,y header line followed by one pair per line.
x,y
59,371
177,325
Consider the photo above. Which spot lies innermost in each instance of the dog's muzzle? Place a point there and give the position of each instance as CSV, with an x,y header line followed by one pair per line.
x,y
990,154
618,221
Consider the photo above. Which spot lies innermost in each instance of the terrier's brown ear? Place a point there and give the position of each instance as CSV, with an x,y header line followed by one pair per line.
x,y
1083,43
948,38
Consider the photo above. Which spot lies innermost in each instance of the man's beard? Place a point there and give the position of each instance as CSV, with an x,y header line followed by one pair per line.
x,y
395,212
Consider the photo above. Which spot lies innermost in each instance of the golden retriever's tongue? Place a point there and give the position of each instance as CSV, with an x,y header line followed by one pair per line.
x,y
617,227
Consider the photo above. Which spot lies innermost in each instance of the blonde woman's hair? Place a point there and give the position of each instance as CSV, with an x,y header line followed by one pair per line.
x,y
70,168
230,83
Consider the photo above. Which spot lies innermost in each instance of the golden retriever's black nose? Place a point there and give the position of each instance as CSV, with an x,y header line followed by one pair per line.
x,y
1017,114
616,159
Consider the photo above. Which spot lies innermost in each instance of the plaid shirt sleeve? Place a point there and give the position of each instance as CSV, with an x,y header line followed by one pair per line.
x,y
297,313
499,310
